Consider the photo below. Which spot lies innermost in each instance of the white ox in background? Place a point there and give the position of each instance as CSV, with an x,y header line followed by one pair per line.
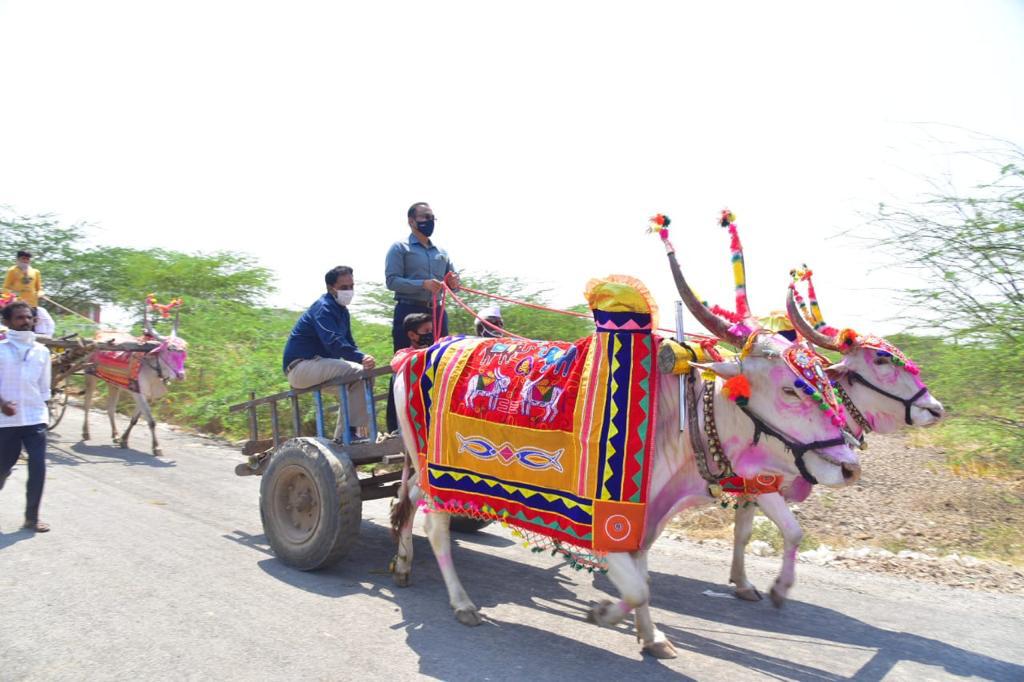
x,y
676,482
163,364
885,394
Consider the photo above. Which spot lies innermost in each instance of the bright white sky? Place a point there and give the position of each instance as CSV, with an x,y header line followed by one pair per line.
x,y
543,133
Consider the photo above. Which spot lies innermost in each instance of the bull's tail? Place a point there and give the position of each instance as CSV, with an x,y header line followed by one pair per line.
x,y
403,507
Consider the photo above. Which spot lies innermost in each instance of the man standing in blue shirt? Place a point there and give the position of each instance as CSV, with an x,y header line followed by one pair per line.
x,y
321,347
415,270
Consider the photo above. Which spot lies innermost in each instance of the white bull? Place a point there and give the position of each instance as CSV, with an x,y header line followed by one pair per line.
x,y
676,482
159,366
886,394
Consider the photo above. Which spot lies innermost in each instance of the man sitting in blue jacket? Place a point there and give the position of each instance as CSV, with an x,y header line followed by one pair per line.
x,y
321,347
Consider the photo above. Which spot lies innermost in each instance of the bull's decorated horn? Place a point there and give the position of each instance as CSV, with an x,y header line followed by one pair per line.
x,y
802,326
713,323
177,315
739,269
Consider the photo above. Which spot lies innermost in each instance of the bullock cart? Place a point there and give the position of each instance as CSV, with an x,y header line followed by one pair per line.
x,y
70,355
312,488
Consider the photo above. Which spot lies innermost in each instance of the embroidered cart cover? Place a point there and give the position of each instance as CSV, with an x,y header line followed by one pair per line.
x,y
555,438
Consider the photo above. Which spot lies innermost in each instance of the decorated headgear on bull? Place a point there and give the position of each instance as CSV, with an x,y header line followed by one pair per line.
x,y
172,351
880,377
756,374
868,361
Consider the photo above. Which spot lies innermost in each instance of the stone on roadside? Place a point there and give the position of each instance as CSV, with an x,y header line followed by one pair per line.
x,y
819,557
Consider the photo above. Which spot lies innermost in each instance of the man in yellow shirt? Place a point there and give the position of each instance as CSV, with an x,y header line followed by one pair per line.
x,y
24,281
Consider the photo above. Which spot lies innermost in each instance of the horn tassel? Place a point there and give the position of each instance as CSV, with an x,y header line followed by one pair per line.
x,y
804,328
713,323
739,267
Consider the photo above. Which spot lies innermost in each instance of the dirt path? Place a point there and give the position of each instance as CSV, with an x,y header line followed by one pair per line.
x,y
910,514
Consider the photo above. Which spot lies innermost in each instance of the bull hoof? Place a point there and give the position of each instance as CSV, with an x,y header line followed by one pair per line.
x,y
404,580
123,444
748,593
778,599
470,616
157,452
662,649
599,613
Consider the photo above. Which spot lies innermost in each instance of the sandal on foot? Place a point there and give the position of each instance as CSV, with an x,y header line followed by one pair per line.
x,y
37,526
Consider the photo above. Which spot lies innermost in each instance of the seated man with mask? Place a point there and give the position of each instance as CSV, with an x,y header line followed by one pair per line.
x,y
493,316
321,347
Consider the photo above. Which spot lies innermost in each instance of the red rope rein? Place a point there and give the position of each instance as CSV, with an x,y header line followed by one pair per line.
x,y
439,302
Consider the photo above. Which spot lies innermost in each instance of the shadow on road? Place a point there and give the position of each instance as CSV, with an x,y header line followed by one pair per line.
x,y
66,454
804,620
257,542
527,650
9,538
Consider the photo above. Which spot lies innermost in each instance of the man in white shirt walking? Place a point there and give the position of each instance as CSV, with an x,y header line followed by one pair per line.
x,y
24,390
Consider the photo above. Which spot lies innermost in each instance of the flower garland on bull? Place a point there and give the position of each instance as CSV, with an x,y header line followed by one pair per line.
x,y
554,439
677,357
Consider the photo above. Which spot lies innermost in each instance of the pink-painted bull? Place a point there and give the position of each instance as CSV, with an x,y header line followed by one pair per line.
x,y
881,388
159,366
780,431
883,392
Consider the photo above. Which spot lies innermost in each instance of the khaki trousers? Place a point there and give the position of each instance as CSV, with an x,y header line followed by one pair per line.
x,y
318,370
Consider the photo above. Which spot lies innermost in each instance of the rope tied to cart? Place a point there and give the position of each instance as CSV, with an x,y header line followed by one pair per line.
x,y
450,288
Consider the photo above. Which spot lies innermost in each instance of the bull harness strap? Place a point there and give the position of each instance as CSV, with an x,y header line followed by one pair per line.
x,y
798,449
907,403
713,449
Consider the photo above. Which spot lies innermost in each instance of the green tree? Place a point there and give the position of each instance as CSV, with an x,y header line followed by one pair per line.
x,y
57,251
968,250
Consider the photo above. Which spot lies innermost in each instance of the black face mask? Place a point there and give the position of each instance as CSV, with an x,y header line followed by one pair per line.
x,y
425,340
426,227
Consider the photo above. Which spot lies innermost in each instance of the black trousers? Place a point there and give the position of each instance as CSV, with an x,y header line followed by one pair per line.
x,y
33,439
401,340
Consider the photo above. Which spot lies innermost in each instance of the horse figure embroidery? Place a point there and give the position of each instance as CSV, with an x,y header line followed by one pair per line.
x,y
558,359
563,363
540,393
490,385
503,351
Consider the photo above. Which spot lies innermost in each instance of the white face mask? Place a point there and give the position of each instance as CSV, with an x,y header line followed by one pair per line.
x,y
343,297
21,338
23,266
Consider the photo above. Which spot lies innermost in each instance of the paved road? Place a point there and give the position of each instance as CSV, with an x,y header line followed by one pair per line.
x,y
158,569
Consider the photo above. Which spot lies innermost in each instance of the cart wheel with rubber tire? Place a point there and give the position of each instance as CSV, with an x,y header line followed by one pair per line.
x,y
310,504
58,404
